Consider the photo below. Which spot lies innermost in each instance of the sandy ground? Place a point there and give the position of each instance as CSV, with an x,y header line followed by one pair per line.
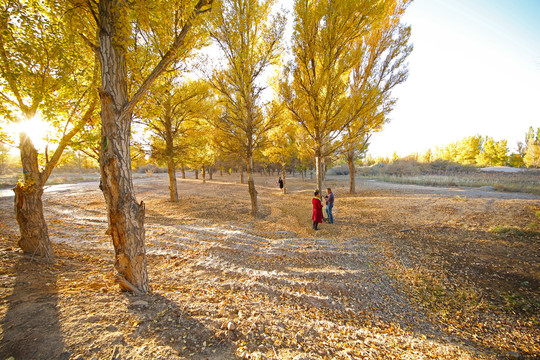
x,y
406,272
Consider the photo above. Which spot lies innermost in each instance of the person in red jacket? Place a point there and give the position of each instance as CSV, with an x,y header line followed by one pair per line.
x,y
317,210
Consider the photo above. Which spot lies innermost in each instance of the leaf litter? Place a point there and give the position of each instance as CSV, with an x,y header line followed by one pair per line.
x,y
405,273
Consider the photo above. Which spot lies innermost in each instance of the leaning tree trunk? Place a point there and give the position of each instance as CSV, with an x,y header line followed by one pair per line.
x,y
251,187
125,215
29,206
352,170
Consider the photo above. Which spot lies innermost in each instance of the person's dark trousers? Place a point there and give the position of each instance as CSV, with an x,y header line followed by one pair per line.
x,y
315,224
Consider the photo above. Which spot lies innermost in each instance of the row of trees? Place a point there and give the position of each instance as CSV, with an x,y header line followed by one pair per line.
x,y
92,68
482,151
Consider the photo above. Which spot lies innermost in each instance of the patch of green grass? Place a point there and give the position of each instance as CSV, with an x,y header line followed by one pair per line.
x,y
515,231
516,302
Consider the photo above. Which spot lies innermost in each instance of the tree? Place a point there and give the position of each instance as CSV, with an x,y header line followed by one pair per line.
x,y
316,81
532,151
121,27
468,150
250,42
494,153
281,147
168,109
427,157
56,85
201,152
381,67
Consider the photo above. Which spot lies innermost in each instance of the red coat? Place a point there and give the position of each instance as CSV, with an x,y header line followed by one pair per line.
x,y
317,210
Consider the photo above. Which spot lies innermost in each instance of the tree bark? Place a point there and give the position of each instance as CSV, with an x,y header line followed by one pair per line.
x,y
169,146
251,187
183,171
197,174
29,206
352,171
172,180
318,170
125,215
204,175
284,181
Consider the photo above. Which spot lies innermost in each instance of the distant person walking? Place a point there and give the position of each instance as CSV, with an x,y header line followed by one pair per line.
x,y
317,210
280,182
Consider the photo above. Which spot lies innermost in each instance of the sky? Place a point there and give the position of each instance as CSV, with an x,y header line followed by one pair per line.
x,y
475,70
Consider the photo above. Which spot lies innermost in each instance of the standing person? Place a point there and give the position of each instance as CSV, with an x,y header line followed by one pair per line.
x,y
329,205
317,210
280,182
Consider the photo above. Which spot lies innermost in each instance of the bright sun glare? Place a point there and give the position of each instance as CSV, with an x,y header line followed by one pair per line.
x,y
36,128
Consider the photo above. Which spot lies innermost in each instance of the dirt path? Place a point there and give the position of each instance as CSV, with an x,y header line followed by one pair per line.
x,y
227,285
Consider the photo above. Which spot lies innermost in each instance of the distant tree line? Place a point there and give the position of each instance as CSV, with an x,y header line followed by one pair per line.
x,y
480,151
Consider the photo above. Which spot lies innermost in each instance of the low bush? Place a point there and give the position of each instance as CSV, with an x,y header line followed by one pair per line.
x,y
150,168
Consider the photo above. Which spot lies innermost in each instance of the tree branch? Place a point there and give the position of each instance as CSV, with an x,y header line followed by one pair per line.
x,y
169,57
49,166
92,46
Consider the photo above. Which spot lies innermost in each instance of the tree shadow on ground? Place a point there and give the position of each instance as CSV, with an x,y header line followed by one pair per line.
x,y
31,327
163,319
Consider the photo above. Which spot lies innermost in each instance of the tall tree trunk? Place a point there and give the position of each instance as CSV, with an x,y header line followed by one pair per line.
x,y
284,181
173,189
211,172
318,169
204,175
323,171
79,163
125,215
251,187
29,206
169,148
197,174
352,170
183,171
221,171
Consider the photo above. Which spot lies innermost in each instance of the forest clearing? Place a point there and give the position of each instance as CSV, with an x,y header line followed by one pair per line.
x,y
406,272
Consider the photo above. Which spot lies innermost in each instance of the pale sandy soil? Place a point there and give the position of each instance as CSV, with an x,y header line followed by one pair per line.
x,y
406,272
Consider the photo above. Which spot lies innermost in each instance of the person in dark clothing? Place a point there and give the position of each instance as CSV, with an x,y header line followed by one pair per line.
x,y
280,182
317,210
329,205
